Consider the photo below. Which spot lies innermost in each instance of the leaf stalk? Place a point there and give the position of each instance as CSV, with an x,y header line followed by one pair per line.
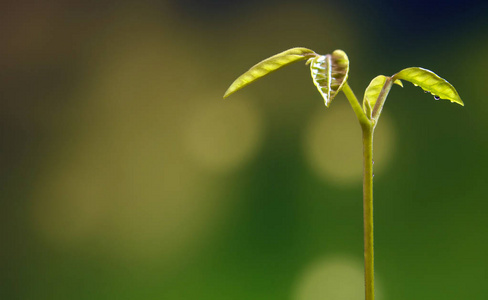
x,y
378,107
362,118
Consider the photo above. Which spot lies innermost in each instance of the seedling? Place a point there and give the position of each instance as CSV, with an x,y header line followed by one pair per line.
x,y
330,76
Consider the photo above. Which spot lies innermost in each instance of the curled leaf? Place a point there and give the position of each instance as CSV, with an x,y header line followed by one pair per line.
x,y
373,91
368,110
269,65
329,73
430,82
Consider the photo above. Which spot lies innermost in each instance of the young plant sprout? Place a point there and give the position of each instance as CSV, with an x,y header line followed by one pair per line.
x,y
330,76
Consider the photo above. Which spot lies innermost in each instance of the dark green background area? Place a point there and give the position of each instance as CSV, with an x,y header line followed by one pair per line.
x,y
102,199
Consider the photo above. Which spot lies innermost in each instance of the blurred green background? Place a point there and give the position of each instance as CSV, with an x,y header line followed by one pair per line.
x,y
124,175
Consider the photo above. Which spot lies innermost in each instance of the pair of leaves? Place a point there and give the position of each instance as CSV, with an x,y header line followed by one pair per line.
x,y
329,72
426,79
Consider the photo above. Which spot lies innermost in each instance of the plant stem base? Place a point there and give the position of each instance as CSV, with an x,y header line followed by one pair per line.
x,y
368,211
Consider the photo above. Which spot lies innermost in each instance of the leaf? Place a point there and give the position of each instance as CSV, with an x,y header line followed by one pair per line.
x,y
373,91
269,65
430,82
368,110
329,73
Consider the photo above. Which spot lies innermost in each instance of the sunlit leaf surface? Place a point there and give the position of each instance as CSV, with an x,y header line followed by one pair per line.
x,y
430,82
329,73
269,65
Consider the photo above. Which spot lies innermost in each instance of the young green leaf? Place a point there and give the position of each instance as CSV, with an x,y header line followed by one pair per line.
x,y
373,91
269,65
368,110
329,73
430,82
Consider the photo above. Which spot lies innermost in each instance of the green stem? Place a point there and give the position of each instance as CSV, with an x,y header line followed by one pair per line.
x,y
363,119
368,211
367,127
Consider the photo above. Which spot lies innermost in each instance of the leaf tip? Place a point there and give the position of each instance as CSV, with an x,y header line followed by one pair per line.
x,y
398,82
228,93
339,52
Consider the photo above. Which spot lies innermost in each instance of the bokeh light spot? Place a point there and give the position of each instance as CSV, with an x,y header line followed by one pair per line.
x,y
333,278
333,144
222,135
